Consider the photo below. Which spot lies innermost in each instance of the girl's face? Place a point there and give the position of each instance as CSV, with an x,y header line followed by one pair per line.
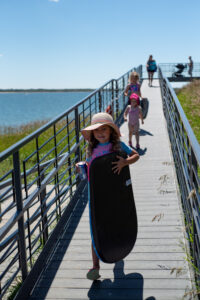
x,y
133,79
133,103
102,134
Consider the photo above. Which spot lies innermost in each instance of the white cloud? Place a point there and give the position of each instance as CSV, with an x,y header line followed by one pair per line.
x,y
1,54
54,0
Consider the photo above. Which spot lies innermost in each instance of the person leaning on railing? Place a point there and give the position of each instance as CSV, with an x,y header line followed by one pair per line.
x,y
190,65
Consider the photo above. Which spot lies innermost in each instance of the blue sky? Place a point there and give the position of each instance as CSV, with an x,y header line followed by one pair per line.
x,y
84,43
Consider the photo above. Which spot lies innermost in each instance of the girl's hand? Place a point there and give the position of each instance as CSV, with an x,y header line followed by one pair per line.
x,y
119,164
77,168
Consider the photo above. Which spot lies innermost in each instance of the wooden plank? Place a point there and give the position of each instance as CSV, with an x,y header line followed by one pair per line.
x,y
132,282
84,229
129,265
137,248
105,294
142,235
108,273
143,242
132,256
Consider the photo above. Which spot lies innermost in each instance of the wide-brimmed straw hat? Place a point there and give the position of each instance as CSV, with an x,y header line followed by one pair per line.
x,y
99,120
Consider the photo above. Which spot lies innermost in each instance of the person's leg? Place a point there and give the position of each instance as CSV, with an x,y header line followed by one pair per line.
x,y
95,259
130,134
93,274
137,137
151,80
149,77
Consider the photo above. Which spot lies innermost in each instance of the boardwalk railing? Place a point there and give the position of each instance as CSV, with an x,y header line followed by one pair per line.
x,y
179,71
38,184
173,73
186,153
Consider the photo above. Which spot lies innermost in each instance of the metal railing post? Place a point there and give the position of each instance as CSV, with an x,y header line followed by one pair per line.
x,y
100,100
117,101
123,87
113,98
77,129
19,203
43,213
112,90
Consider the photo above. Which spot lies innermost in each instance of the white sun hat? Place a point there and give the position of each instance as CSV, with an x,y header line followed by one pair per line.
x,y
99,120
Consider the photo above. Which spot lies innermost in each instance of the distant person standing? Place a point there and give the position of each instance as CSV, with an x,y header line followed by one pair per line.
x,y
190,66
151,68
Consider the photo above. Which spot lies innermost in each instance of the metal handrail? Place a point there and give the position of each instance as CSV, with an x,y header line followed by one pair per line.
x,y
39,186
173,73
22,142
186,153
170,71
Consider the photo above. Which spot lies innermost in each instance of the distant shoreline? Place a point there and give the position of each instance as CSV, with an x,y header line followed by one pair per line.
x,y
43,90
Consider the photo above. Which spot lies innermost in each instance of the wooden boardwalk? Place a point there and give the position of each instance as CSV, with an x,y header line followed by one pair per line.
x,y
156,268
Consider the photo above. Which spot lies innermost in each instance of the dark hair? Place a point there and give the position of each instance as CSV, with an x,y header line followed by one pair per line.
x,y
114,140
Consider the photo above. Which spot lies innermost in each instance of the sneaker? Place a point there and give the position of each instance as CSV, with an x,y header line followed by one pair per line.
x,y
93,274
130,144
137,146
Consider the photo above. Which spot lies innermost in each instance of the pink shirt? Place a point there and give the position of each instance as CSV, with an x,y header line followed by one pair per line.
x,y
133,115
102,149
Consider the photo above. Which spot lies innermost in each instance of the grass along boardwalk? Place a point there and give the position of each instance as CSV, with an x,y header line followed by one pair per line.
x,y
156,268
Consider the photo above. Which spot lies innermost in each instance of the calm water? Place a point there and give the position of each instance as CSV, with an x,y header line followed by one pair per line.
x,y
21,108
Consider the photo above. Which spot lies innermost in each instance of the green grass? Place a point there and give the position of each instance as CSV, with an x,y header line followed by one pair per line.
x,y
14,288
11,136
189,97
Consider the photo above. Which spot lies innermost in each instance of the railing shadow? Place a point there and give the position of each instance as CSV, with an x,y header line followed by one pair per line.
x,y
155,86
61,247
124,286
145,132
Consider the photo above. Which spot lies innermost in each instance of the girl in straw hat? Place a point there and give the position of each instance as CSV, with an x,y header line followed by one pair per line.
x,y
103,137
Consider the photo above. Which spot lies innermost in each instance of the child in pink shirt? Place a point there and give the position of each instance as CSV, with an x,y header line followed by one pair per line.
x,y
134,113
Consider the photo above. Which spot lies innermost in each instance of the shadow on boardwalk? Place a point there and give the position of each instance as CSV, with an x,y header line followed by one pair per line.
x,y
123,286
64,240
145,132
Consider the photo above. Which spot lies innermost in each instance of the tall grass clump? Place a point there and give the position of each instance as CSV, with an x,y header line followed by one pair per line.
x,y
10,135
189,97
